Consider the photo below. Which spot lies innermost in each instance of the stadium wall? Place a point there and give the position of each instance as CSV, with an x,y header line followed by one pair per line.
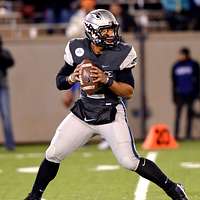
x,y
36,103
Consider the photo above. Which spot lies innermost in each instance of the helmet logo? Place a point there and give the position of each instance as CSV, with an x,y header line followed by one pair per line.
x,y
79,52
97,15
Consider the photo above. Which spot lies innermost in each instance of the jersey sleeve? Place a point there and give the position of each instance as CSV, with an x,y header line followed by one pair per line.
x,y
130,61
61,76
126,76
68,55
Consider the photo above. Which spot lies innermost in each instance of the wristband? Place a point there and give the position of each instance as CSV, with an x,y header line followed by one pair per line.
x,y
70,79
109,81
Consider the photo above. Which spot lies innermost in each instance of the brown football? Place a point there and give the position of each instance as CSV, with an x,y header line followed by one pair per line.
x,y
86,80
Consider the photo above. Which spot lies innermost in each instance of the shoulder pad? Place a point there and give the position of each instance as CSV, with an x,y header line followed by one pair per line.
x,y
131,58
69,49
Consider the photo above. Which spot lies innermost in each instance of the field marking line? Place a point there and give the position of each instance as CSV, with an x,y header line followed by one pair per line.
x,y
190,165
28,155
31,169
143,184
21,155
106,168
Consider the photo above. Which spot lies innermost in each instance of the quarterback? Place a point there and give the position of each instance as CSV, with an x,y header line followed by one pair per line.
x,y
102,111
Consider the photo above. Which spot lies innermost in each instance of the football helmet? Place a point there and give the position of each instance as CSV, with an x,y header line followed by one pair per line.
x,y
98,20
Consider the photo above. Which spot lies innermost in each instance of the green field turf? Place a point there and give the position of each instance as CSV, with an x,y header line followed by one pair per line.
x,y
78,180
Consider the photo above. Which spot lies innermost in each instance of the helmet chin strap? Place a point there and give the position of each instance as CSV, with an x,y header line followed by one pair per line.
x,y
106,45
97,49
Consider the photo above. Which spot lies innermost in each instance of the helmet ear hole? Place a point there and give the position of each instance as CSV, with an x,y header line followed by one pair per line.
x,y
97,20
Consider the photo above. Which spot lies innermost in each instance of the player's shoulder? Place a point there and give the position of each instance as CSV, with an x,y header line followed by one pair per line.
x,y
77,42
126,49
125,46
77,46
128,55
75,49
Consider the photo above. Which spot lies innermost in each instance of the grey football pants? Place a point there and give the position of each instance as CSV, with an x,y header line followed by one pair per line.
x,y
73,133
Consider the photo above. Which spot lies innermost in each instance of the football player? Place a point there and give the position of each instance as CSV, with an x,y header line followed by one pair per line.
x,y
102,112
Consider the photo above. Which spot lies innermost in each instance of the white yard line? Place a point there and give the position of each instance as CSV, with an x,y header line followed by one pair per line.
x,y
22,155
28,155
143,184
190,165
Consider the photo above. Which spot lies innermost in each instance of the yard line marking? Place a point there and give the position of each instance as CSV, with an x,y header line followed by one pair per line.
x,y
22,155
28,170
28,155
190,165
143,184
107,167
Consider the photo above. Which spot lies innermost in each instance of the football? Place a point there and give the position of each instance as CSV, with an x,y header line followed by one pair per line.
x,y
85,78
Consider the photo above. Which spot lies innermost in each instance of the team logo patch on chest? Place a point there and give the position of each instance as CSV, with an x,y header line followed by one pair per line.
x,y
79,52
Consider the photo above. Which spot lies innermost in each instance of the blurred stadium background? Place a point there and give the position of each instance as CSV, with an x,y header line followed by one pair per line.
x,y
38,48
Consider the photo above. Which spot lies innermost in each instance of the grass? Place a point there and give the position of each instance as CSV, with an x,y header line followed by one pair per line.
x,y
77,179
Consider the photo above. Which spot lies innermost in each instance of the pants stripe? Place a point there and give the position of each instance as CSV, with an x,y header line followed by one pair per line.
x,y
130,133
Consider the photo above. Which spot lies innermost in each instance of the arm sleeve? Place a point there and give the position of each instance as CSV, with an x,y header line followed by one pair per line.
x,y
64,72
125,76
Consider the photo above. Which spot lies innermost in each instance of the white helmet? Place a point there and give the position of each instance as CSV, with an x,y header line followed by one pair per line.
x,y
97,20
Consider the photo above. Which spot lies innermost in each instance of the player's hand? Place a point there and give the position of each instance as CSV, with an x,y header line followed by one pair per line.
x,y
74,77
98,75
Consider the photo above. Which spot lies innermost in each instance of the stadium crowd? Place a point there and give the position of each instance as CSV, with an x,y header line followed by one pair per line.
x,y
163,14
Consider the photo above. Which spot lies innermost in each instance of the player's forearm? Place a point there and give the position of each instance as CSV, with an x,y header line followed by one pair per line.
x,y
122,89
62,82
